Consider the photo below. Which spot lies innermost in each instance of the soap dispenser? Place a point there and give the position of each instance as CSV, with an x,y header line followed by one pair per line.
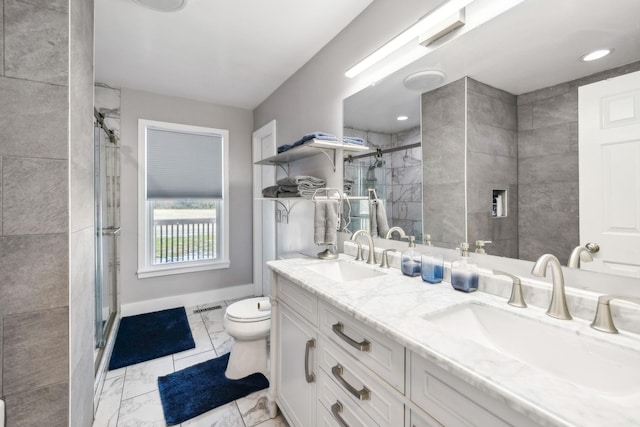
x,y
464,274
410,259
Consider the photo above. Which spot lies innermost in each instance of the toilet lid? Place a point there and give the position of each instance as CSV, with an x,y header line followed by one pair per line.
x,y
247,310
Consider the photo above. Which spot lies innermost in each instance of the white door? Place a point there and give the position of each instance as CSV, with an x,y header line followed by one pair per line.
x,y
609,147
264,212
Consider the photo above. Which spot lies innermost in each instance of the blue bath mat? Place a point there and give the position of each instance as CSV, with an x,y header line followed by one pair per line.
x,y
200,388
151,335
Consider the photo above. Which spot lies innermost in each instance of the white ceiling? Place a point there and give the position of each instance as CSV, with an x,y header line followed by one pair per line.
x,y
233,52
535,45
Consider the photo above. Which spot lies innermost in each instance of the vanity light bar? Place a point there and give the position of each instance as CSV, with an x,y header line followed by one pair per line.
x,y
430,23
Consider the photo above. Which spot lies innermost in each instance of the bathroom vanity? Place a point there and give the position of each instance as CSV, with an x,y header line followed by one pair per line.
x,y
358,345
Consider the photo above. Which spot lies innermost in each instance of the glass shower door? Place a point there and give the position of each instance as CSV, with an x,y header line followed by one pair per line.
x,y
107,220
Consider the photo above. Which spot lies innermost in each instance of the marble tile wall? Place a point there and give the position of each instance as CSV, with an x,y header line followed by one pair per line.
x,y
398,180
548,167
81,215
492,164
443,162
35,144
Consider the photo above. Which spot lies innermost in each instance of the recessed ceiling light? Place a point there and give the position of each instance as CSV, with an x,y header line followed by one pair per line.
x,y
596,54
402,118
163,5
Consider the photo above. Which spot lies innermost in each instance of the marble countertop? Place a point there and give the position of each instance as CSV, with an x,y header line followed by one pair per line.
x,y
397,305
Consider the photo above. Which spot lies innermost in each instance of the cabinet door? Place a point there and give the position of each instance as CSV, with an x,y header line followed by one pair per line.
x,y
296,382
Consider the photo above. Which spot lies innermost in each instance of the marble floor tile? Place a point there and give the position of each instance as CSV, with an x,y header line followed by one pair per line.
x,y
222,342
201,338
185,362
224,416
254,408
213,320
142,378
115,373
109,403
191,316
278,421
142,411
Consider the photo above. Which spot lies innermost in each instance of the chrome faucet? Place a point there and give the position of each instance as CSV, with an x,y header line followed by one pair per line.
x,y
558,305
516,299
372,257
398,229
384,263
603,321
580,253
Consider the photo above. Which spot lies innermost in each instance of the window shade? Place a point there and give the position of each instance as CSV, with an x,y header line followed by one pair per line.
x,y
183,165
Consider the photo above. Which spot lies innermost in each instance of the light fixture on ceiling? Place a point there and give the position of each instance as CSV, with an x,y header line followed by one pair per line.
x,y
596,54
402,118
441,21
163,5
423,81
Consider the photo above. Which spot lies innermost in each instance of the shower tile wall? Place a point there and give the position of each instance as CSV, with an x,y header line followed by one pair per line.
x,y
548,167
36,232
492,164
443,154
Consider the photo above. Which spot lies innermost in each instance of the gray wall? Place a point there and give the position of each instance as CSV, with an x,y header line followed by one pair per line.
x,y
311,99
136,104
548,167
46,253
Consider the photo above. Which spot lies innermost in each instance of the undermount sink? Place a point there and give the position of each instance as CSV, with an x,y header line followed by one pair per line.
x,y
582,360
340,271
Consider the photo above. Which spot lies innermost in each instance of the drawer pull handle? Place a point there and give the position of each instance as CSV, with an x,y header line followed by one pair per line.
x,y
310,376
336,410
365,345
363,394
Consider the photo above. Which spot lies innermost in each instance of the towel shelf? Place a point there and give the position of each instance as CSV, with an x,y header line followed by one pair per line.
x,y
312,148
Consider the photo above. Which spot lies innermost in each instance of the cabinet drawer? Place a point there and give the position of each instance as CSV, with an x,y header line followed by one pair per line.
x,y
417,420
379,400
453,402
304,303
339,404
381,354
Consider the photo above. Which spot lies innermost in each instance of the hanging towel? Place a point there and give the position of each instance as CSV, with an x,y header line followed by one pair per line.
x,y
381,218
325,223
378,223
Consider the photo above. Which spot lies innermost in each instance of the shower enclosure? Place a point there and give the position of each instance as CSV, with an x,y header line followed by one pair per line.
x,y
107,224
361,176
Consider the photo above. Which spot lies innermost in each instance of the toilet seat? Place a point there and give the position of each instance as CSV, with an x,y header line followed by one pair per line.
x,y
246,311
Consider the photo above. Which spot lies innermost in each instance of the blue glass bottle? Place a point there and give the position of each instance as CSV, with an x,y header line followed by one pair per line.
x,y
464,274
432,268
410,259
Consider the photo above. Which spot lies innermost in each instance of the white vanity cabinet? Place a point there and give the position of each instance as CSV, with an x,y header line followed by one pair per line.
x,y
453,402
335,370
296,375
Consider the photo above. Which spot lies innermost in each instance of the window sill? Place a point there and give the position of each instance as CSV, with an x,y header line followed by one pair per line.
x,y
181,268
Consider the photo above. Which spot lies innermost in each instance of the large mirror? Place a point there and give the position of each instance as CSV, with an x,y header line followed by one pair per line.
x,y
489,147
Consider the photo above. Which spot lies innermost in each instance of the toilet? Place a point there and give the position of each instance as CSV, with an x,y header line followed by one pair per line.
x,y
249,323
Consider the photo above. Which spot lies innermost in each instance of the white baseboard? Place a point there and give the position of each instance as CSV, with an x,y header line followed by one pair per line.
x,y
187,300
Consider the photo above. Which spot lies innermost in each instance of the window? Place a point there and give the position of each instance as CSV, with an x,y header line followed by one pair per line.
x,y
182,208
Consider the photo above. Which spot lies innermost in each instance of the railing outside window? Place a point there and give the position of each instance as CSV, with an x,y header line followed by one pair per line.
x,y
178,240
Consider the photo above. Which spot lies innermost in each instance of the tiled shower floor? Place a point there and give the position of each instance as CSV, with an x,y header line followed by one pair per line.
x,y
130,396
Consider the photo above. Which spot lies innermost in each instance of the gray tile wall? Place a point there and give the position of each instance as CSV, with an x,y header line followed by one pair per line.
x,y
81,218
548,167
443,160
492,164
34,208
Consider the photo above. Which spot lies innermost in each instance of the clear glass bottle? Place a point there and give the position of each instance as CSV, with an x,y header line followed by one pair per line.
x,y
410,259
432,267
464,274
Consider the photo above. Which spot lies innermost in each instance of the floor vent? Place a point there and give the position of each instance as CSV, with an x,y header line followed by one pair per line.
x,y
200,310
